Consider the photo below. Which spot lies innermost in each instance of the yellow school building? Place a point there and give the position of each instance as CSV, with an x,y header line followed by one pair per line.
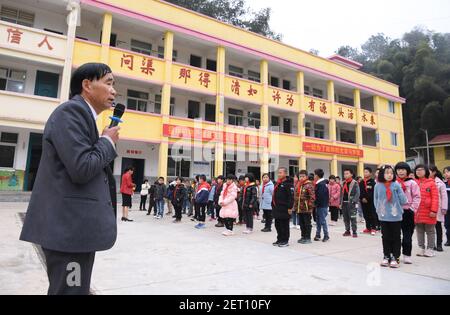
x,y
203,97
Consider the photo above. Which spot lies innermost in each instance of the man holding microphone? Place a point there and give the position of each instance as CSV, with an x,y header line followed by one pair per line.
x,y
72,211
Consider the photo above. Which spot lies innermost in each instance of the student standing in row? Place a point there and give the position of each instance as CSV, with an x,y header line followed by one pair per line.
x,y
335,199
349,203
201,201
367,188
249,200
303,205
217,193
426,215
178,196
266,202
412,192
160,192
145,187
282,203
443,205
322,199
389,200
228,205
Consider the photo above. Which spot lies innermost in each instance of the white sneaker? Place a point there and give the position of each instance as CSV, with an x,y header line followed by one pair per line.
x,y
407,260
247,232
227,233
421,253
332,223
429,253
385,262
394,264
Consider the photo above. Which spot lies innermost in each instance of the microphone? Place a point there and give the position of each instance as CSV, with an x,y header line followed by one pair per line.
x,y
119,110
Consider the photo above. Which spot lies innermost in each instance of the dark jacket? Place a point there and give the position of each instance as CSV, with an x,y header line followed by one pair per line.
x,y
160,191
217,193
250,197
283,199
72,205
178,195
367,192
322,198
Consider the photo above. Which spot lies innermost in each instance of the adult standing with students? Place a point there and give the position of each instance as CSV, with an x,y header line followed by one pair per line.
x,y
127,190
282,204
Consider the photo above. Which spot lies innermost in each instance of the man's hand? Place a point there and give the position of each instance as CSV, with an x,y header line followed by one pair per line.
x,y
113,133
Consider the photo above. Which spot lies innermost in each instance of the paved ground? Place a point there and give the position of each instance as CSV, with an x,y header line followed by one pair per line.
x,y
158,257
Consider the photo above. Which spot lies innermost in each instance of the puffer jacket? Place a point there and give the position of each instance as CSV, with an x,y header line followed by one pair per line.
x,y
283,199
335,194
202,195
266,196
429,201
412,192
178,195
304,197
227,201
249,196
443,199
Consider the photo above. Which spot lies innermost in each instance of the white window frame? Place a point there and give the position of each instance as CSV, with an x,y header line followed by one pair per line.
x,y
394,139
8,144
391,107
139,49
236,72
9,79
138,100
17,19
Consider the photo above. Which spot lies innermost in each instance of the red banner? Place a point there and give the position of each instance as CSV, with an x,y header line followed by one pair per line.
x,y
205,135
331,149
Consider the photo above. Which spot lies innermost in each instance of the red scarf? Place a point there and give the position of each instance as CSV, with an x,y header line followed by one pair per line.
x,y
365,184
347,185
175,191
300,185
388,191
203,185
448,182
264,187
401,182
279,182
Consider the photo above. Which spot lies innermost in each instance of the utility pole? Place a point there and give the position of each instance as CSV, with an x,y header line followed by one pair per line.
x,y
428,145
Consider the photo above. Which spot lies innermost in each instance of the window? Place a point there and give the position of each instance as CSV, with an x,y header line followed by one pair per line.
x,y
12,80
211,65
275,123
8,143
319,131
348,136
161,53
394,139
345,100
236,71
141,47
235,117
210,112
17,16
254,120
196,61
274,81
172,107
137,100
307,90
318,93
293,167
308,131
391,106
193,109
287,85
112,39
254,76
179,163
157,109
287,125
447,153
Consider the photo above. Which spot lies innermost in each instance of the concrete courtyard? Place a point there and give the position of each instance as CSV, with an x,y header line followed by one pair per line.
x,y
158,257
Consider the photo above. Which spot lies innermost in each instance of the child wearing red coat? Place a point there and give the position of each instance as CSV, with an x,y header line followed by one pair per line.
x,y
426,215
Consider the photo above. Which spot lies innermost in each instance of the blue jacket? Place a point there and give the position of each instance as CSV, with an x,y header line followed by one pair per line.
x,y
389,211
265,201
322,194
211,193
202,196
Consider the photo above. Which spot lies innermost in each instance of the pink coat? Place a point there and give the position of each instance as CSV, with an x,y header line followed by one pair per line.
x,y
412,195
229,204
335,195
443,199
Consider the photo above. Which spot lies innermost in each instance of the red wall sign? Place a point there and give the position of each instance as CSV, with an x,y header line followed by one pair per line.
x,y
331,149
205,135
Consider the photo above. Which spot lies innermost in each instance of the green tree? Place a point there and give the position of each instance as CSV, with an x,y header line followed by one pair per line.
x,y
235,12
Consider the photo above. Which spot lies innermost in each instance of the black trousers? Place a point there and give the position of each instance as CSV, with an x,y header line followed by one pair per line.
x,y
408,227
201,212
248,217
269,219
305,225
69,273
283,231
219,219
143,202
370,216
241,212
439,234
152,205
391,232
334,214
178,209
447,225
229,223
314,214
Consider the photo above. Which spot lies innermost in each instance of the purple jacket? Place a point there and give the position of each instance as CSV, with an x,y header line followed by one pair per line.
x,y
412,193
